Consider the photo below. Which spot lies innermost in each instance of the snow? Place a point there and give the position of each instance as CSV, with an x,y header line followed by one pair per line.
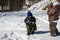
x,y
40,5
12,26
56,3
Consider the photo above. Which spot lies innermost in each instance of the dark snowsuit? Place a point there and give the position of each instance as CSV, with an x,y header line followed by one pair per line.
x,y
30,24
53,15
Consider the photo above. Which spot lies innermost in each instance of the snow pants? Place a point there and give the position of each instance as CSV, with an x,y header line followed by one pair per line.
x,y
53,29
31,28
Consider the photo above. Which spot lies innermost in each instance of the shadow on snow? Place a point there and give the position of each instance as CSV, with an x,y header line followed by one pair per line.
x,y
41,32
44,32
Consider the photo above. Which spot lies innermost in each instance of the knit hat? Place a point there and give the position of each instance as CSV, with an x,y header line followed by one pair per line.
x,y
29,14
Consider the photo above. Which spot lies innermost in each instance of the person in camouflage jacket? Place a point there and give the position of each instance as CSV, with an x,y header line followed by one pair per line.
x,y
53,14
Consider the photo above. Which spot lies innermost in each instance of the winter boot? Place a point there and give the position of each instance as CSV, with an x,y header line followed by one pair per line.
x,y
54,33
28,33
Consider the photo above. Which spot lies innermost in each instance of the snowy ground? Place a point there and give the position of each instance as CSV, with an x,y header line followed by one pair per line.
x,y
12,27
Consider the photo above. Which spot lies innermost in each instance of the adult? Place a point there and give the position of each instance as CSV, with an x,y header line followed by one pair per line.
x,y
53,14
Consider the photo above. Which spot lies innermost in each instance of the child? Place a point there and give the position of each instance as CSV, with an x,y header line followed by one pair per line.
x,y
30,23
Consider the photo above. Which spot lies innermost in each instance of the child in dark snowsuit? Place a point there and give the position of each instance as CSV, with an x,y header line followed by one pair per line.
x,y
30,23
